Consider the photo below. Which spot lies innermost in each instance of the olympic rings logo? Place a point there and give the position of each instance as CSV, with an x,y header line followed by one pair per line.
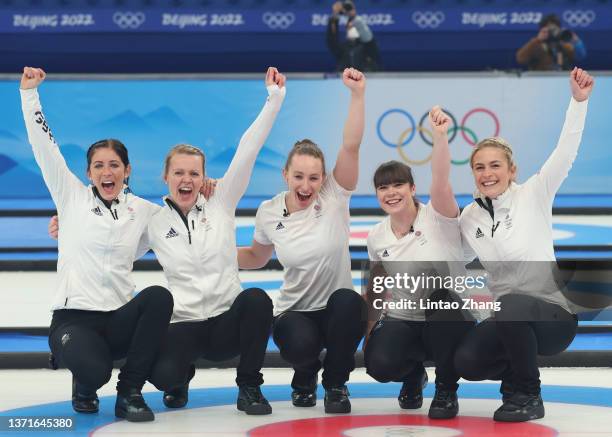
x,y
408,134
129,20
425,19
579,18
278,20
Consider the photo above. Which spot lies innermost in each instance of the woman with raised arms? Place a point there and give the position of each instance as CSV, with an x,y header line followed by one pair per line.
x,y
509,228
308,227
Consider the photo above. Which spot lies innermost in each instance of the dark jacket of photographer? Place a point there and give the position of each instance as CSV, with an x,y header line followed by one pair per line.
x,y
358,54
543,56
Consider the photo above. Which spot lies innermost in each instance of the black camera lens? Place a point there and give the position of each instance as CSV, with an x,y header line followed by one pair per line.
x,y
566,35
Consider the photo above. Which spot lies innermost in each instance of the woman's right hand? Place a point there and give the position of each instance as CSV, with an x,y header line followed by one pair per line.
x,y
273,76
53,227
31,78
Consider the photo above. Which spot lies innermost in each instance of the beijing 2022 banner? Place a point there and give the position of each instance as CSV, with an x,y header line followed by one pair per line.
x,y
427,18
150,116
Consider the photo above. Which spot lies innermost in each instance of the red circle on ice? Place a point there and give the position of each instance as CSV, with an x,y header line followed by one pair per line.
x,y
339,425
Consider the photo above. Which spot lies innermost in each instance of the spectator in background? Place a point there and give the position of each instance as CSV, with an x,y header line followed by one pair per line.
x,y
552,49
580,52
359,49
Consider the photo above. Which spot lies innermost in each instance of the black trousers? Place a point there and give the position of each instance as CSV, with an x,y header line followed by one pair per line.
x,y
397,348
242,330
506,346
87,342
302,335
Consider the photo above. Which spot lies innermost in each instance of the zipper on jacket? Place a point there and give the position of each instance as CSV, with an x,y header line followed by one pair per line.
x,y
489,208
114,214
108,204
172,205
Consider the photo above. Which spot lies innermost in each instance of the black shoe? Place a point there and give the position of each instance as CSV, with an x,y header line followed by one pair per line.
x,y
305,396
83,399
444,404
176,398
336,400
252,401
132,407
520,407
411,397
506,388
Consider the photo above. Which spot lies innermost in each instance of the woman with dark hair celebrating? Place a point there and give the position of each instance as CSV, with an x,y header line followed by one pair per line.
x,y
96,319
509,228
411,237
308,226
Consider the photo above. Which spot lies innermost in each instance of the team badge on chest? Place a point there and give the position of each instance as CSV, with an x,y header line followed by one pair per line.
x,y
420,238
507,221
318,209
206,223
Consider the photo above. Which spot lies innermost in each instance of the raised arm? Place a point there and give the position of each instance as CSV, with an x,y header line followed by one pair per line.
x,y
441,192
236,179
55,172
557,166
254,257
346,170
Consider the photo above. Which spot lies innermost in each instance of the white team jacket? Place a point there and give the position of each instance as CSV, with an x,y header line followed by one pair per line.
x,y
520,229
198,254
97,246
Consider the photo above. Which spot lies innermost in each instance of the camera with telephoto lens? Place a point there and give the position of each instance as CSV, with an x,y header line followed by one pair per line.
x,y
557,35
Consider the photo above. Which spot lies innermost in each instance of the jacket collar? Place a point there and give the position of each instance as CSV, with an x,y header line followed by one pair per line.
x,y
198,206
500,201
121,198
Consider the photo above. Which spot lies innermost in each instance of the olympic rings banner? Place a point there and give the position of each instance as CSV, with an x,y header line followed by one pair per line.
x,y
150,116
426,19
528,112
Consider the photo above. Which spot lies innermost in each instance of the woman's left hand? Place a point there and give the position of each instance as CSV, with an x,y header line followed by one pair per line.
x,y
354,80
208,188
581,84
439,120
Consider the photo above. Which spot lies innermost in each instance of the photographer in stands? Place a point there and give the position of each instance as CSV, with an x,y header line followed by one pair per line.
x,y
552,49
359,49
